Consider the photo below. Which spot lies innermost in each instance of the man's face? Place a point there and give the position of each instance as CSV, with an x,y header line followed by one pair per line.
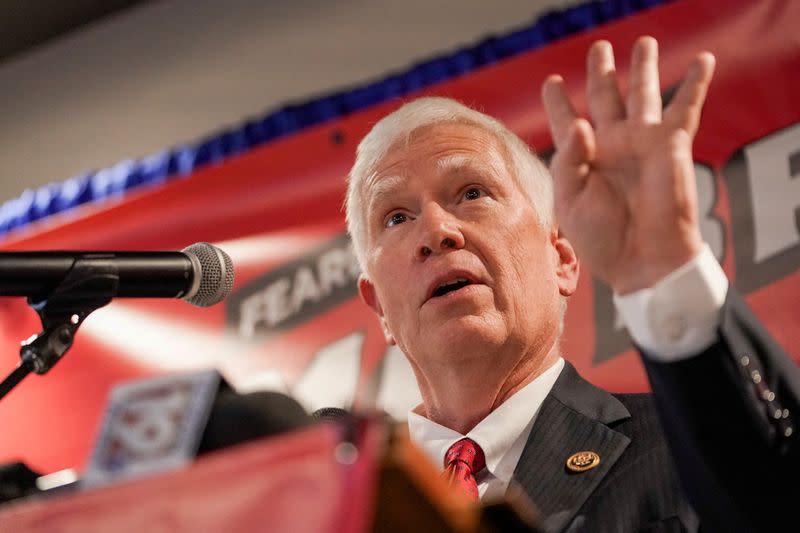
x,y
458,265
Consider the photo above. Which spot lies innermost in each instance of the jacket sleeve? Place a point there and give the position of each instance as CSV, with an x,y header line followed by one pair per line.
x,y
730,415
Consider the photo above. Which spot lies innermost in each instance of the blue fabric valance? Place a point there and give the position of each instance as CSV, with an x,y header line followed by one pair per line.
x,y
112,182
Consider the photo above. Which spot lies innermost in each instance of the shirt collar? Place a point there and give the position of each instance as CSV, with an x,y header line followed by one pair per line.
x,y
496,433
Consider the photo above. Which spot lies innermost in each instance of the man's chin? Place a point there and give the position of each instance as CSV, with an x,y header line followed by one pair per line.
x,y
466,333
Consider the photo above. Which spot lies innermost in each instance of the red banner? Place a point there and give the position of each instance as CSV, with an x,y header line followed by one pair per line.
x,y
294,321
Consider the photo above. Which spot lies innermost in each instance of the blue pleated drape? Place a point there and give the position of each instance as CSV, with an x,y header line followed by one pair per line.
x,y
157,168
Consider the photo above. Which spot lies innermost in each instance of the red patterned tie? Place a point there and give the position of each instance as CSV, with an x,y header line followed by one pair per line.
x,y
462,461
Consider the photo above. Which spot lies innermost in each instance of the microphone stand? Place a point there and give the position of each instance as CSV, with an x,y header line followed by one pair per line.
x,y
86,287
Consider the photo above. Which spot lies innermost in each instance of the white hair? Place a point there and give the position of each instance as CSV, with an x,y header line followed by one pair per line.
x,y
530,172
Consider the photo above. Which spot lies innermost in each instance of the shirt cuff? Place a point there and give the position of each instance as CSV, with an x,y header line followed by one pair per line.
x,y
677,317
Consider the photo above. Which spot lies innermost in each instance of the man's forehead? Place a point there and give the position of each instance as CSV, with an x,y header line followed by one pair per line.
x,y
393,180
448,148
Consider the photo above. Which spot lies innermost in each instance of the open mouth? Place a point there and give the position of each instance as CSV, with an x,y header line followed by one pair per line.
x,y
451,286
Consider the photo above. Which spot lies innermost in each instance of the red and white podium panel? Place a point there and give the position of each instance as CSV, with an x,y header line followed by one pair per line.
x,y
290,483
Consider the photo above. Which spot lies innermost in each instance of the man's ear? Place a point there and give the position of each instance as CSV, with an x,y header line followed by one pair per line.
x,y
568,267
368,295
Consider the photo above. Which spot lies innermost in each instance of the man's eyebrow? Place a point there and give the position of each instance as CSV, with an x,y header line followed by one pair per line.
x,y
456,162
379,189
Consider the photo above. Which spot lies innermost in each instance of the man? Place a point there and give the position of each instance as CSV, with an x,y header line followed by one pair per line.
x,y
453,223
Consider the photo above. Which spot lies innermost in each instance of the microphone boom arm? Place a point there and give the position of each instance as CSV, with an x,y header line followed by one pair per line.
x,y
87,286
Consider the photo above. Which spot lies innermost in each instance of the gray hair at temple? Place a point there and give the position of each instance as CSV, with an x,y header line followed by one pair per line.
x,y
530,172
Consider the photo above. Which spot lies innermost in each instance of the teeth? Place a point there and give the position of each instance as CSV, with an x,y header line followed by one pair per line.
x,y
454,282
451,286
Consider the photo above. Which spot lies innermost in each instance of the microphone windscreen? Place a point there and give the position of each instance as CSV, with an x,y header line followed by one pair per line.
x,y
236,418
215,277
333,414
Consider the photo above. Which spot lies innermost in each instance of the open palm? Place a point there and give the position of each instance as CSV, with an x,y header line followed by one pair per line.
x,y
625,185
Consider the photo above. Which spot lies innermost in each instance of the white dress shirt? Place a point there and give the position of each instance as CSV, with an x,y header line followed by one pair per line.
x,y
501,435
678,316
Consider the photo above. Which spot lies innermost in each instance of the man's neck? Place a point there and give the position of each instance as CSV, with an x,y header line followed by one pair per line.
x,y
463,397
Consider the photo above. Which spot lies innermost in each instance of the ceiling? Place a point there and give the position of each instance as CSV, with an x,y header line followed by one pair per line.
x,y
25,24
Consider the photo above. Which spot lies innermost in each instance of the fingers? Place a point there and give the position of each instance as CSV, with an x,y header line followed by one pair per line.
x,y
684,109
643,103
559,109
572,162
644,94
602,90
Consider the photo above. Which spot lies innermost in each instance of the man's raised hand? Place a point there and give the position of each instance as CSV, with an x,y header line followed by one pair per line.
x,y
625,186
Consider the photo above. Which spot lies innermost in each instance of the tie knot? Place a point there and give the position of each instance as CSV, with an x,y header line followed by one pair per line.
x,y
468,452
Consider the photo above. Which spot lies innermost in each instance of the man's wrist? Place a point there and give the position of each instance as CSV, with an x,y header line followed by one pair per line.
x,y
662,261
678,316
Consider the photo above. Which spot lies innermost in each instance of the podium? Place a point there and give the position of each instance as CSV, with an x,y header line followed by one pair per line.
x,y
313,480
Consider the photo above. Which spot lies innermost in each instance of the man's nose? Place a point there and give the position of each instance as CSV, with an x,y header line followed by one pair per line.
x,y
440,232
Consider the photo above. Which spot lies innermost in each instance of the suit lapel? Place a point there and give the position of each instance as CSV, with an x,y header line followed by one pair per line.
x,y
574,417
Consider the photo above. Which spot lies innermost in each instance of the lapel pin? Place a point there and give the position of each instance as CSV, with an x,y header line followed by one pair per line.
x,y
582,461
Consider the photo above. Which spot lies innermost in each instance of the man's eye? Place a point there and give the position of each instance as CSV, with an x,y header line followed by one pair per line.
x,y
395,219
473,193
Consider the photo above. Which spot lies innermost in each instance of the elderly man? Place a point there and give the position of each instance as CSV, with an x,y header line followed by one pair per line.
x,y
454,224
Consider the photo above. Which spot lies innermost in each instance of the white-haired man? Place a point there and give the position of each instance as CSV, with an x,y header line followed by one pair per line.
x,y
454,224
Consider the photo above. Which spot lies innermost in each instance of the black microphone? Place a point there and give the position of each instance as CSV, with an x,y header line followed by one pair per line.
x,y
238,418
331,414
201,274
17,480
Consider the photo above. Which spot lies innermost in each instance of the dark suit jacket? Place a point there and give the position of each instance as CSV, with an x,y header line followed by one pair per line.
x,y
730,416
634,488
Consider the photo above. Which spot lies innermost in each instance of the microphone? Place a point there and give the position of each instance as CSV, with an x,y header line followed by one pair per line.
x,y
237,418
331,414
17,480
201,274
